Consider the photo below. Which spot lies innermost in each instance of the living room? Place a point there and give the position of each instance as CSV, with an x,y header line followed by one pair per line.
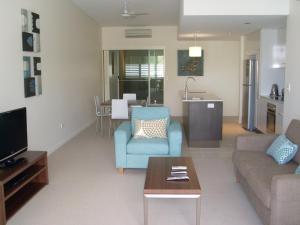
x,y
84,184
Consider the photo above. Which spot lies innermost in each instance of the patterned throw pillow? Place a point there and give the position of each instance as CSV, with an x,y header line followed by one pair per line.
x,y
282,150
151,128
297,171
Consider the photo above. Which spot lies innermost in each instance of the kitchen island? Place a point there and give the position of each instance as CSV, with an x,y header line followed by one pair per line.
x,y
203,119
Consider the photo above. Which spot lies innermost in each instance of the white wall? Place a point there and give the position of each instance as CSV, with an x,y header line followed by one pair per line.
x,y
252,44
236,7
268,75
221,65
291,105
70,70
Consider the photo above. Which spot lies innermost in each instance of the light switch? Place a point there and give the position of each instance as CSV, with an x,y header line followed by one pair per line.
x,y
210,105
289,88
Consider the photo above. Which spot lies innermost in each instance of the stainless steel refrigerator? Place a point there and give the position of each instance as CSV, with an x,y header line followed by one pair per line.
x,y
248,113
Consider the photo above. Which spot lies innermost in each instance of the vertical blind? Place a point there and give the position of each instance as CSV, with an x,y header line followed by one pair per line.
x,y
142,63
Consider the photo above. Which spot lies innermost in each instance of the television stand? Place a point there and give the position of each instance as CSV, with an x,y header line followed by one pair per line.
x,y
11,162
19,183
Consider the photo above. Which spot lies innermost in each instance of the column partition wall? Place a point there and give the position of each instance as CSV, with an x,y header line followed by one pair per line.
x,y
135,71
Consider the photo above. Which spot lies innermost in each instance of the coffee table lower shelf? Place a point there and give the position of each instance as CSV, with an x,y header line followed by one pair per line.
x,y
156,186
168,196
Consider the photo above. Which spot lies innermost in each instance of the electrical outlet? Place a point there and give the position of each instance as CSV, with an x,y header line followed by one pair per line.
x,y
61,125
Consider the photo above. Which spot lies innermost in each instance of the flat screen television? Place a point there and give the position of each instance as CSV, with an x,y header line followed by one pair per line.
x,y
13,135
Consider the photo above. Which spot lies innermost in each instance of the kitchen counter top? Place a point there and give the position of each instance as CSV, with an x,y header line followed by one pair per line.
x,y
201,97
272,100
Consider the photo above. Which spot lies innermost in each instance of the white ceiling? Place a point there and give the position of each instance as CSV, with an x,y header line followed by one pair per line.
x,y
107,12
167,13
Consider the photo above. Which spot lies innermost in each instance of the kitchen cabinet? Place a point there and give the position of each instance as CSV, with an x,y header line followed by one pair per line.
x,y
279,119
203,120
261,114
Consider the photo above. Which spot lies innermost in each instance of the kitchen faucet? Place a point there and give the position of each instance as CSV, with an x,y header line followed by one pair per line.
x,y
186,86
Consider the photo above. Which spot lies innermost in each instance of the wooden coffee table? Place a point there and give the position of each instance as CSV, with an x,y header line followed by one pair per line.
x,y
156,186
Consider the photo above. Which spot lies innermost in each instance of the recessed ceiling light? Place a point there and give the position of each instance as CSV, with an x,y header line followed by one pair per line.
x,y
247,23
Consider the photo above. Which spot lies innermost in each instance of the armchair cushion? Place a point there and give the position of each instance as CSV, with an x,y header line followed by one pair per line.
x,y
148,146
151,128
149,113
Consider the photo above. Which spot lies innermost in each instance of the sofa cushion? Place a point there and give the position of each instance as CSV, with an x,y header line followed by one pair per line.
x,y
245,160
297,171
293,133
148,146
282,150
258,169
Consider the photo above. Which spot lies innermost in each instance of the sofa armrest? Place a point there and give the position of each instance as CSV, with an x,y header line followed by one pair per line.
x,y
175,138
285,199
255,142
121,136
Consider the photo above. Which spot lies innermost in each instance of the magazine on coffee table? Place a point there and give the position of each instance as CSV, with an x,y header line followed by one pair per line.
x,y
178,173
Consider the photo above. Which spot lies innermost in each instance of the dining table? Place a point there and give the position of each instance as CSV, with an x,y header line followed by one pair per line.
x,y
107,103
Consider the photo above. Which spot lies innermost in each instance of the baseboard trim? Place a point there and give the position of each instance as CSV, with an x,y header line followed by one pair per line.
x,y
233,119
70,137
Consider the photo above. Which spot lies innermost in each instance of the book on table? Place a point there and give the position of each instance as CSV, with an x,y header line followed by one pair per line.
x,y
178,173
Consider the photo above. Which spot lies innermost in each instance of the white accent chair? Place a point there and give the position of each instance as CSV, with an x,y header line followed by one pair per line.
x,y
119,110
100,113
129,96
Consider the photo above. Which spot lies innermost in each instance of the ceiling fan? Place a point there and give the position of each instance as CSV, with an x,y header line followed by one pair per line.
x,y
130,14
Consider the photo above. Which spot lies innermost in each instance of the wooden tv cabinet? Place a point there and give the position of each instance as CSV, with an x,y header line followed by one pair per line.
x,y
21,182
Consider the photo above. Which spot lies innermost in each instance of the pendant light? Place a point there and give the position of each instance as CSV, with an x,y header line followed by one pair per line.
x,y
195,51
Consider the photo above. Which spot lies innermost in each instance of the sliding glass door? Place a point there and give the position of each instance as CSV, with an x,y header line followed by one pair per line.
x,y
138,71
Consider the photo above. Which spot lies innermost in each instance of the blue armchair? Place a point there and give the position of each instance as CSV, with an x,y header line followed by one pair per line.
x,y
134,152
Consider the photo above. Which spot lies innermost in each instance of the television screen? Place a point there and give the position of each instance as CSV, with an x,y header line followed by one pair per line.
x,y
13,133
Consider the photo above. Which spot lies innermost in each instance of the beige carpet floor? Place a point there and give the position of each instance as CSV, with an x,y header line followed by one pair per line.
x,y
85,189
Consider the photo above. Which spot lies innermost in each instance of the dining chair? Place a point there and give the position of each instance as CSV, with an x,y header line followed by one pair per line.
x,y
129,96
119,110
100,113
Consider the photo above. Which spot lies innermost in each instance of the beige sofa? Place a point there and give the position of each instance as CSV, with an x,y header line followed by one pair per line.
x,y
273,190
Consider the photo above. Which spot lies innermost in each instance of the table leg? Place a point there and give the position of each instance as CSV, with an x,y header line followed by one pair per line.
x,y
145,211
198,210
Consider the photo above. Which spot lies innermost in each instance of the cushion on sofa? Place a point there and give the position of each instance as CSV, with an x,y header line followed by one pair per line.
x,y
258,169
243,160
282,150
293,134
148,146
297,171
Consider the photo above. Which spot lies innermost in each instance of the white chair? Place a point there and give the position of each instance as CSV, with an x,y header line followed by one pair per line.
x,y
119,110
129,96
100,113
